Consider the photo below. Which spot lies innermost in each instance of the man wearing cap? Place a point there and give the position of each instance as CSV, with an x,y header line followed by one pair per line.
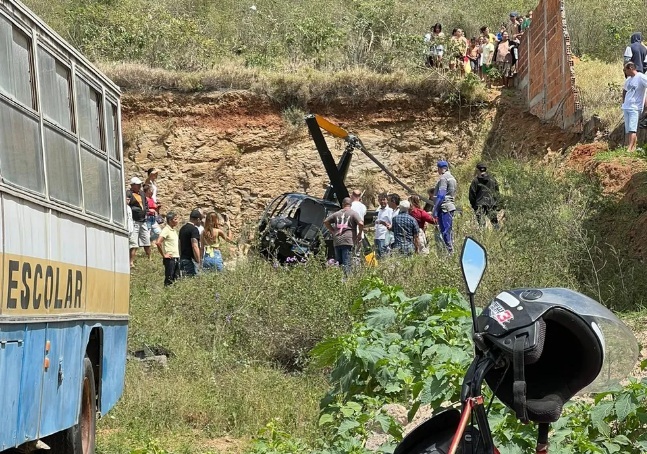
x,y
189,239
346,232
513,27
140,237
405,230
168,245
484,195
444,206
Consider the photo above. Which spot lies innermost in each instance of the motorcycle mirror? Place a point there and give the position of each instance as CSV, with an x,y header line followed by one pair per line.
x,y
473,264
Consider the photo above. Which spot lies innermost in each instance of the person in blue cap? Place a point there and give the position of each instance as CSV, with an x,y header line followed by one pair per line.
x,y
444,206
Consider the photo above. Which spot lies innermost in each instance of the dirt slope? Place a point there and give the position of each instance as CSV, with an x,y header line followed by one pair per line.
x,y
234,151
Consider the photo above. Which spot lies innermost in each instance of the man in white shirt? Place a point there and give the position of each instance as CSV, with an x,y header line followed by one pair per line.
x,y
393,202
633,102
358,207
382,223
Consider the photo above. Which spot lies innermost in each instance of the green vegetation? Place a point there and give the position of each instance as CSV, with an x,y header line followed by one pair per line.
x,y
240,340
381,35
600,86
314,52
620,154
415,351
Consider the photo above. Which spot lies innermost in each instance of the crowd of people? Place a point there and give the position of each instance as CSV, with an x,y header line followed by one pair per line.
x,y
488,55
400,225
197,244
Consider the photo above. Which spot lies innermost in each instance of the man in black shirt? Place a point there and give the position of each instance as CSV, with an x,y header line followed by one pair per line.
x,y
484,196
189,238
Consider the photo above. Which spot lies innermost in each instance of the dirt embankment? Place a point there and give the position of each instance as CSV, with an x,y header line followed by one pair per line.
x,y
234,151
624,181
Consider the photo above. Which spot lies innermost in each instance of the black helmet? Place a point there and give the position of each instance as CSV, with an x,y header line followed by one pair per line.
x,y
557,343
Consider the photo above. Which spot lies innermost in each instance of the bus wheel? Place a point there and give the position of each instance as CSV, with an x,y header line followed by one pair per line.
x,y
79,439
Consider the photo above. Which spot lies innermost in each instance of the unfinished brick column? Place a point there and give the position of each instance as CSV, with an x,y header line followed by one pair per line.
x,y
545,71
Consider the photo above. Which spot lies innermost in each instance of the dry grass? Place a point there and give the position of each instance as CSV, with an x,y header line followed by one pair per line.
x,y
600,87
299,86
134,76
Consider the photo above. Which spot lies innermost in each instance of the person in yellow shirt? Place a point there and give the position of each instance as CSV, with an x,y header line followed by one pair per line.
x,y
168,245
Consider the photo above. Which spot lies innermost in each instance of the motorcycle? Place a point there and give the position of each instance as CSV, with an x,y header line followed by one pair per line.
x,y
536,348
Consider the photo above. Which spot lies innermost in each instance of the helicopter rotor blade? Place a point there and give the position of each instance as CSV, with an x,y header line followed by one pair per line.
x,y
331,127
391,174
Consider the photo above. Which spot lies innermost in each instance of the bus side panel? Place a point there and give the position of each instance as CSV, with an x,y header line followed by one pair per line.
x,y
100,290
11,351
32,380
62,380
122,274
113,363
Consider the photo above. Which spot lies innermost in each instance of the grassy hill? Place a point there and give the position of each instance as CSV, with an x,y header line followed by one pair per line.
x,y
382,35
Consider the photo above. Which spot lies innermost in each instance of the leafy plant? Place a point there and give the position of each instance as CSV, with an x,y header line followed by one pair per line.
x,y
415,351
408,350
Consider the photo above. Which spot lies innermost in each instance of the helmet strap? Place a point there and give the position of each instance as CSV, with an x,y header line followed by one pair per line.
x,y
519,385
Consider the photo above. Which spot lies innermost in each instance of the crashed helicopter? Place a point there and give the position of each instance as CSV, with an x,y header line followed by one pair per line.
x,y
292,226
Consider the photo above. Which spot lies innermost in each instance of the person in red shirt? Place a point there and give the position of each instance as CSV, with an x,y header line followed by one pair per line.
x,y
422,218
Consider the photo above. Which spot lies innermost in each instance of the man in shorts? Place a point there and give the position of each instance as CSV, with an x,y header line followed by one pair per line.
x,y
633,102
140,236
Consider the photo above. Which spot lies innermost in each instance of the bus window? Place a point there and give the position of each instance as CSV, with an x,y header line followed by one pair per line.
x,y
112,131
15,71
95,183
88,104
63,173
21,160
117,190
54,80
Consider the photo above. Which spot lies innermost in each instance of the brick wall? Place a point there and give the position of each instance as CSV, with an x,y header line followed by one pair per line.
x,y
545,71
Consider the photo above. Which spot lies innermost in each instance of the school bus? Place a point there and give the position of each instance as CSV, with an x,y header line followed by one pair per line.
x,y
63,240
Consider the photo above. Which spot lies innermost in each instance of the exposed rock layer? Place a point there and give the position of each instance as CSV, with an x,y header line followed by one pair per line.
x,y
234,152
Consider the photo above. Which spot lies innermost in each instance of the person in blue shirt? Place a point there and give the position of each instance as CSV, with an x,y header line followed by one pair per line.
x,y
444,206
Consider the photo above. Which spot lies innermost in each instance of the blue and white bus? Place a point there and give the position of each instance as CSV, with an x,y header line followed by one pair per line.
x,y
63,241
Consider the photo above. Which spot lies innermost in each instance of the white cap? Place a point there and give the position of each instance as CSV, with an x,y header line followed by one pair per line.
x,y
135,180
405,205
